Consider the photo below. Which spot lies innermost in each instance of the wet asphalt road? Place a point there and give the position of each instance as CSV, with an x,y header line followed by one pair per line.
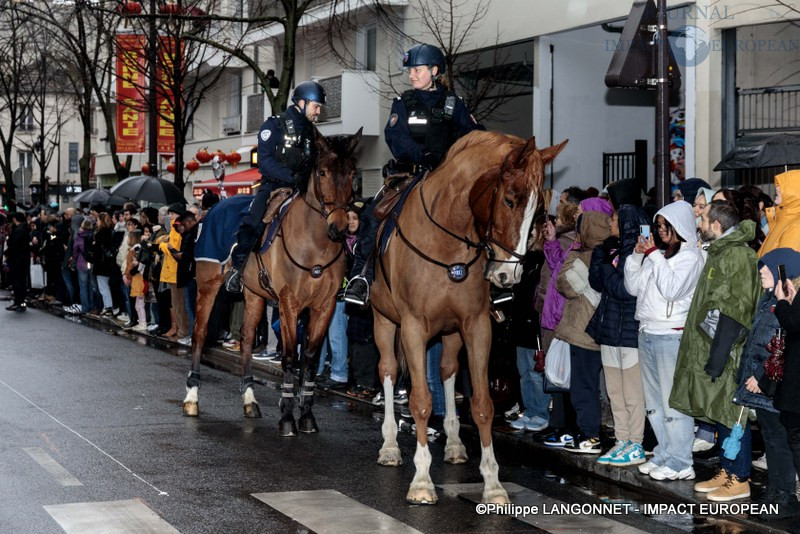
x,y
106,409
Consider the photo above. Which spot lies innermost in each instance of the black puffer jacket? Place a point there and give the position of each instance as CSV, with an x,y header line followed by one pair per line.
x,y
613,322
755,352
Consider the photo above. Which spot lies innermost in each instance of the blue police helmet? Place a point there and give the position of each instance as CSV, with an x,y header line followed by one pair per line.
x,y
425,54
309,91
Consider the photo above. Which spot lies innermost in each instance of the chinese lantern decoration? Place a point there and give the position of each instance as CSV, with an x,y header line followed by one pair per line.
x,y
171,168
222,156
234,158
169,8
146,169
130,8
192,166
203,156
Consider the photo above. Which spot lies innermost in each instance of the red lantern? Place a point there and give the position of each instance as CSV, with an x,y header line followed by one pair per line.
x,y
192,166
170,8
203,156
146,169
222,156
171,168
130,8
234,158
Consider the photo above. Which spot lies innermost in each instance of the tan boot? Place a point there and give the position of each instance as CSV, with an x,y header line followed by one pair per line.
x,y
732,489
714,483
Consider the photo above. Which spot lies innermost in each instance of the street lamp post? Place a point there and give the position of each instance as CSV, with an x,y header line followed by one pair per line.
x,y
153,117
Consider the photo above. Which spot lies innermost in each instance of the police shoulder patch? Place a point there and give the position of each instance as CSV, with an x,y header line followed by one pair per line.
x,y
265,133
392,120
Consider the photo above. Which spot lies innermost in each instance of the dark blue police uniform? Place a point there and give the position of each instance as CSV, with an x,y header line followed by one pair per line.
x,y
422,127
285,151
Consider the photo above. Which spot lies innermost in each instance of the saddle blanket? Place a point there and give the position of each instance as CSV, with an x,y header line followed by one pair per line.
x,y
218,233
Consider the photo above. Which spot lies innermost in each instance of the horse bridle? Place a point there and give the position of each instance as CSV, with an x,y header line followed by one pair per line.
x,y
322,210
458,272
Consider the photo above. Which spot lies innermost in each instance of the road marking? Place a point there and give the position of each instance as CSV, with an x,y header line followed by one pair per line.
x,y
63,476
126,468
123,517
330,512
551,522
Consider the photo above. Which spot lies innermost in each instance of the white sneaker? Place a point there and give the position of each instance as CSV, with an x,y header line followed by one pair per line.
x,y
185,341
123,318
152,327
647,467
140,328
519,424
513,412
761,463
667,473
701,445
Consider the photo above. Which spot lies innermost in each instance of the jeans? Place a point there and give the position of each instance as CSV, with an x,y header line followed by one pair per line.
x,y
105,291
190,295
531,384
85,285
337,337
584,388
739,466
433,364
66,274
658,355
126,299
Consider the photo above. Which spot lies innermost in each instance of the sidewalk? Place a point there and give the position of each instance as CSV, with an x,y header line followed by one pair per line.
x,y
527,443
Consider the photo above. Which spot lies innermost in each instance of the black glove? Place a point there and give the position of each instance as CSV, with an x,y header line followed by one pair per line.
x,y
388,169
610,248
429,160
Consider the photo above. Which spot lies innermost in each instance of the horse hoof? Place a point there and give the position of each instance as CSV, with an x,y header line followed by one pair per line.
x,y
456,454
287,428
425,495
252,410
498,496
190,409
390,457
308,425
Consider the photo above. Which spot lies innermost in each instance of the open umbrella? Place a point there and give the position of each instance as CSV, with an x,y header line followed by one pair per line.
x,y
755,152
732,443
148,188
98,195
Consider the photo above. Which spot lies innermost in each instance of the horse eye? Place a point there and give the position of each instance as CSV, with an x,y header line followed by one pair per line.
x,y
508,202
322,173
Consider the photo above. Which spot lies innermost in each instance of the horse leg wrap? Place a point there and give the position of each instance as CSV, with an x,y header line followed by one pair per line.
x,y
193,381
287,426
307,422
247,382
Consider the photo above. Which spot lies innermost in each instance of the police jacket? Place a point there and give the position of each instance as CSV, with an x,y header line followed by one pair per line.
x,y
285,147
426,122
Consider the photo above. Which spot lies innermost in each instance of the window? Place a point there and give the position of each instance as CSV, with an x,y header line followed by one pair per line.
x,y
26,119
25,159
366,48
73,157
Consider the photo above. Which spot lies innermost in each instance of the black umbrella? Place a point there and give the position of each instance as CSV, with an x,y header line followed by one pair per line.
x,y
99,195
151,189
753,152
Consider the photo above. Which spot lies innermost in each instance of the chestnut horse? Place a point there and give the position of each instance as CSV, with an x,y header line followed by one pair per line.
x,y
303,268
466,222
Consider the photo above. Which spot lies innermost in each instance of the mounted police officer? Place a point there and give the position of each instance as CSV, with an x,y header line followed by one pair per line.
x,y
286,155
424,123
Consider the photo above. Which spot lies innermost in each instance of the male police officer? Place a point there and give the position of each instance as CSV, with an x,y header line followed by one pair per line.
x,y
286,155
424,123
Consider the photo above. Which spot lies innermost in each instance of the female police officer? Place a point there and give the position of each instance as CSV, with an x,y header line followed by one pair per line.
x,y
424,123
286,153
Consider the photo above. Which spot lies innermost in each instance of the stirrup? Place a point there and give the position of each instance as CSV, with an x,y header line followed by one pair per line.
x,y
353,299
233,281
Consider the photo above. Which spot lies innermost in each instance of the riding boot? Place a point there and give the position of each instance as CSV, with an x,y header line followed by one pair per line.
x,y
246,238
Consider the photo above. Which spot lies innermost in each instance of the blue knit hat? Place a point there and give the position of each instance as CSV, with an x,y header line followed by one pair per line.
x,y
789,257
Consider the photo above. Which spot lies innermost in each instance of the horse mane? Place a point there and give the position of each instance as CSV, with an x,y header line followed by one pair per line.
x,y
488,139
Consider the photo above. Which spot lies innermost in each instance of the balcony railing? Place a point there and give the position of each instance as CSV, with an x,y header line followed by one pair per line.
x,y
768,109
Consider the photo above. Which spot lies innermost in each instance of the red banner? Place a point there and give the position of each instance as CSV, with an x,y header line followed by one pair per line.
x,y
168,55
130,96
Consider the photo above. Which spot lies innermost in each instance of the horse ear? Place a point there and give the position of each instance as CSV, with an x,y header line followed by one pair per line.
x,y
321,142
550,153
354,140
522,156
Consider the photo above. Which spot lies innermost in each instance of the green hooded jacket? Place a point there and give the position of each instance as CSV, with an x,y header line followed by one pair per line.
x,y
729,283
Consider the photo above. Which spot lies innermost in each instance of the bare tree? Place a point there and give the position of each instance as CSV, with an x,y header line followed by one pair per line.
x,y
15,95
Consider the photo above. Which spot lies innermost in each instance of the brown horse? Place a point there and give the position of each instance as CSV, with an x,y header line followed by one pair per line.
x,y
304,268
473,213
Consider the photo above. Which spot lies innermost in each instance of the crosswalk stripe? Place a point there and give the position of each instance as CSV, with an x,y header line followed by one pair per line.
x,y
330,512
550,522
49,464
122,517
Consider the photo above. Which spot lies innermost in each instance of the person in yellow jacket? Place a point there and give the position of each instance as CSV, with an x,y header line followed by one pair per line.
x,y
169,275
784,217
